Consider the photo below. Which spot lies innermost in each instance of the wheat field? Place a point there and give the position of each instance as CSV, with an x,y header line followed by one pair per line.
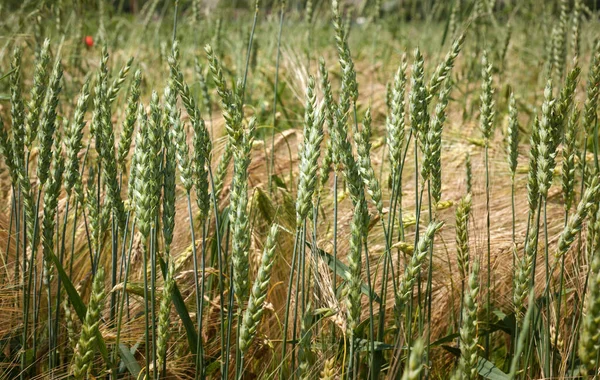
x,y
312,189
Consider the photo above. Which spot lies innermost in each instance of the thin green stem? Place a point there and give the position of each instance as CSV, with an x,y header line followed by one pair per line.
x,y
287,303
153,232
276,85
301,254
146,311
429,290
249,52
199,359
220,265
371,318
125,279
488,311
548,353
27,290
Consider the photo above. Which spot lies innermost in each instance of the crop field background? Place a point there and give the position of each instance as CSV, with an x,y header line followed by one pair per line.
x,y
372,189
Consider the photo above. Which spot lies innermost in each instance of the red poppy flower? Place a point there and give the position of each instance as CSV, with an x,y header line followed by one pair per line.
x,y
89,41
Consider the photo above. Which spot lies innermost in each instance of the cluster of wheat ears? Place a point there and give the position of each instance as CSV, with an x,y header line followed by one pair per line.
x,y
96,264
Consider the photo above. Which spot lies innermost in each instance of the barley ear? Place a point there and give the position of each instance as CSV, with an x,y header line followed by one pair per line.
x,y
352,291
415,362
444,68
329,110
168,185
231,101
589,340
50,209
129,122
564,102
221,172
559,42
309,155
463,212
202,158
164,315
38,92
48,124
365,167
575,222
545,147
467,366
179,137
569,153
147,186
417,103
84,353
395,123
487,102
593,93
576,28
206,98
69,324
469,173
239,219
73,137
405,287
532,181
7,152
51,195
328,372
17,109
103,132
512,137
523,277
255,309
432,164
114,89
